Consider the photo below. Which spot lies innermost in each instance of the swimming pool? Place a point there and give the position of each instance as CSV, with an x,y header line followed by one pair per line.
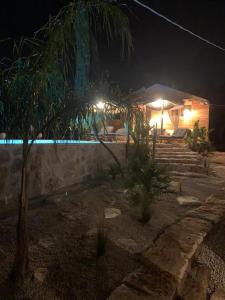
x,y
19,142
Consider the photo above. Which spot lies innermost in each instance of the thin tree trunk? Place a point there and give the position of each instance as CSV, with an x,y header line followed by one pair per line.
x,y
108,149
20,268
112,154
128,135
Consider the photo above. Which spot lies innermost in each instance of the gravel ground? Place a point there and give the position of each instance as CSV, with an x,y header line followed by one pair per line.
x,y
216,265
61,223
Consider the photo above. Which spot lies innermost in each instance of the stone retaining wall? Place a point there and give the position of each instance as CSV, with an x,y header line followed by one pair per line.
x,y
53,166
165,265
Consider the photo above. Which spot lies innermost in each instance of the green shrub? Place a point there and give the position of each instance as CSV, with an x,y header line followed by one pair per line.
x,y
144,177
197,139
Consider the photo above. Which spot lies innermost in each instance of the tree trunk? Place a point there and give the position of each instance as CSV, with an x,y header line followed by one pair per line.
x,y
20,268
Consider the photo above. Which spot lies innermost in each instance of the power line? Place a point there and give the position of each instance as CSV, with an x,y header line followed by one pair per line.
x,y
179,26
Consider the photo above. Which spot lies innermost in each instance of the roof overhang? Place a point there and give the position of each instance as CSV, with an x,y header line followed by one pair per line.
x,y
158,91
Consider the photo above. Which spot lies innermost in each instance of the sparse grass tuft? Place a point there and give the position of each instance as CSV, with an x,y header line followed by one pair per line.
x,y
101,240
145,212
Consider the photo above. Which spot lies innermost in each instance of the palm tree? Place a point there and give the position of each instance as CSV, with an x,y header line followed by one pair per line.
x,y
51,83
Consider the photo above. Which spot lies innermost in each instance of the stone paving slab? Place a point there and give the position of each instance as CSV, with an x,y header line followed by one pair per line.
x,y
153,282
168,257
212,213
125,293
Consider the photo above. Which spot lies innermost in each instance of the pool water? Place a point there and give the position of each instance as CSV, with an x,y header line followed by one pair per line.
x,y
19,142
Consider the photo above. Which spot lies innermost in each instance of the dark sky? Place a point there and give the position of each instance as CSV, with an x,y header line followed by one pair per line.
x,y
162,53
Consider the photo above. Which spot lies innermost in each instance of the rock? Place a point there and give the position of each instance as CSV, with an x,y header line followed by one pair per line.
x,y
152,282
111,213
168,257
215,200
46,243
126,293
196,283
128,245
209,212
175,186
67,216
185,239
199,226
219,294
92,232
188,200
189,174
175,248
40,274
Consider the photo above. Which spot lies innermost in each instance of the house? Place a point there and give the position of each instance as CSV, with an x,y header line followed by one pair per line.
x,y
169,109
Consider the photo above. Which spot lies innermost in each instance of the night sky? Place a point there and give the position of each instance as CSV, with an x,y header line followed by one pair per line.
x,y
162,53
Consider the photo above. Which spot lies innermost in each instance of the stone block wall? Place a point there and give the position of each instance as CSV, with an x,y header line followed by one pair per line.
x,y
53,166
166,267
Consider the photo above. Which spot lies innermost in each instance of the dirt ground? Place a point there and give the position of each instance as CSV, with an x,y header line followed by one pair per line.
x,y
62,234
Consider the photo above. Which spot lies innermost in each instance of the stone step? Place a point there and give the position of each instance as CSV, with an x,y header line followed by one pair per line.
x,y
174,150
180,160
182,167
172,145
176,174
175,155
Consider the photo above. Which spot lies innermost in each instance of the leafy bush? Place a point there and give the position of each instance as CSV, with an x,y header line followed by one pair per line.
x,y
197,139
146,173
144,177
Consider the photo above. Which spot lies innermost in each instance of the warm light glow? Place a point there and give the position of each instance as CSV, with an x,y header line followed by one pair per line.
x,y
100,105
187,113
160,103
157,120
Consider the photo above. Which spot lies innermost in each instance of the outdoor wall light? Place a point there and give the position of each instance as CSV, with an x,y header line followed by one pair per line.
x,y
187,113
100,105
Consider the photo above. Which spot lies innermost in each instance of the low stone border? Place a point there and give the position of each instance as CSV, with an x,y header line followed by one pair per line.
x,y
166,264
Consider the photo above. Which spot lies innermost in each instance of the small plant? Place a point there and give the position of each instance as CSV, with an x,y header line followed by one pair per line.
x,y
101,240
197,139
144,177
145,213
114,171
146,180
